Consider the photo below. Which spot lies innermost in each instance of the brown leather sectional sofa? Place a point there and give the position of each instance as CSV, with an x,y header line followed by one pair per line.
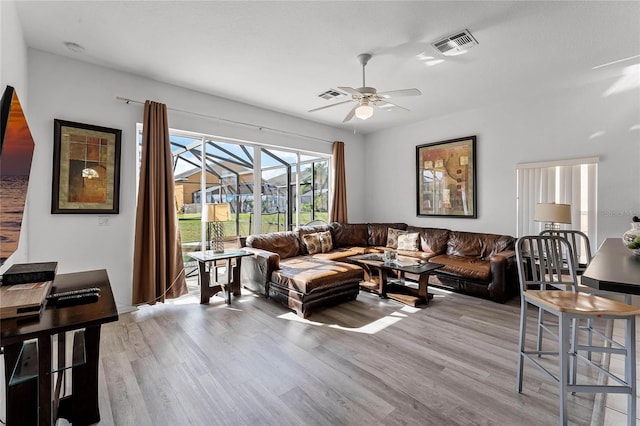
x,y
281,268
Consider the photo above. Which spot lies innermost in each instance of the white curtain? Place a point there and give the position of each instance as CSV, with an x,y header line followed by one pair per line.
x,y
571,182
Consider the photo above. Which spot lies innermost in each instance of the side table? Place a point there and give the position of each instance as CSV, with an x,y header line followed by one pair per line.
x,y
232,281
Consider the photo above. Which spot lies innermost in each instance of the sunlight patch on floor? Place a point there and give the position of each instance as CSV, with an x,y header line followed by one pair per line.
x,y
371,328
290,316
185,300
410,309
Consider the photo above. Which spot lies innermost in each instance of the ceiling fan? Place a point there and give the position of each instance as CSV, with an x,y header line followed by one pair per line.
x,y
368,97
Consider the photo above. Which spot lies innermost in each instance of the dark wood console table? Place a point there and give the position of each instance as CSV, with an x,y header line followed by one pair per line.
x,y
613,268
33,400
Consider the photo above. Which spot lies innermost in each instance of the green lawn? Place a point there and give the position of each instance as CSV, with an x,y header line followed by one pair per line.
x,y
190,224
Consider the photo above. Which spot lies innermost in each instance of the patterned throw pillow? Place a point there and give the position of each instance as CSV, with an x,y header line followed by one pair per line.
x,y
392,237
318,242
408,242
326,241
312,241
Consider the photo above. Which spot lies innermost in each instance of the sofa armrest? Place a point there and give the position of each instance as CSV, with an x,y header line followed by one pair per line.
x,y
509,255
256,270
500,265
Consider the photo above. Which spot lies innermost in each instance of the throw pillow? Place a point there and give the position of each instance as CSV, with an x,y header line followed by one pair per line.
x,y
392,237
408,242
312,242
326,242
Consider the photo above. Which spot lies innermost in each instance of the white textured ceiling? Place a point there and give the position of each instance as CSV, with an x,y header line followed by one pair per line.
x,y
281,55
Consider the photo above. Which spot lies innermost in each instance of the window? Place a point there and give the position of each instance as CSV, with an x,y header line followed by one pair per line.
x,y
210,169
314,190
571,182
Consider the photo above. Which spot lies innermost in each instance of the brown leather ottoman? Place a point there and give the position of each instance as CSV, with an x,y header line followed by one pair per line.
x,y
305,282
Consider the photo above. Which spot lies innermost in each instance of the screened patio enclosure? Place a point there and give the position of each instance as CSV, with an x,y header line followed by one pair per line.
x,y
268,189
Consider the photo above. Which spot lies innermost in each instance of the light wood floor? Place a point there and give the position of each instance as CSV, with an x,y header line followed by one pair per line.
x,y
370,361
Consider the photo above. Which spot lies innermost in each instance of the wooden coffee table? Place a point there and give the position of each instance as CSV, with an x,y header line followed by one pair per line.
x,y
377,280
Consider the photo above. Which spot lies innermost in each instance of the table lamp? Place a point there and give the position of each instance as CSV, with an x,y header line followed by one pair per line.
x,y
215,215
552,214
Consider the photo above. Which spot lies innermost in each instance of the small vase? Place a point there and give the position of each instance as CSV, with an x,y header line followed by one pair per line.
x,y
631,238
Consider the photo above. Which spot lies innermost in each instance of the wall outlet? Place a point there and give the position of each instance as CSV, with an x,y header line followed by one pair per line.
x,y
103,220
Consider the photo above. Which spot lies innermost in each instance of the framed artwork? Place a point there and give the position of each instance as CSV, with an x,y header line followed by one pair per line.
x,y
86,168
446,178
16,152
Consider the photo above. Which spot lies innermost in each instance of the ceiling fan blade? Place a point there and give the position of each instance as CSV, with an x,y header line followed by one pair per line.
x,y
351,91
397,93
382,104
351,114
329,106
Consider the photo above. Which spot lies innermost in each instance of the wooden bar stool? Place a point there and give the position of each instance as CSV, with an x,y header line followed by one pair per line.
x,y
539,268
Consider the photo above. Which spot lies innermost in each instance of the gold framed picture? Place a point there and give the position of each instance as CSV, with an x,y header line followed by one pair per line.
x,y
86,168
446,178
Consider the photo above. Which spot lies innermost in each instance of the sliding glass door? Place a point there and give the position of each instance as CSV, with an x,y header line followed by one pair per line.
x,y
260,184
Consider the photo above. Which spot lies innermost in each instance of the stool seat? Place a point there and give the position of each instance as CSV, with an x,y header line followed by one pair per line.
x,y
580,303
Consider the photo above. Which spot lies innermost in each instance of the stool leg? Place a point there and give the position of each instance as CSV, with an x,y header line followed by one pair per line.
x,y
540,330
573,368
589,336
563,373
630,368
523,328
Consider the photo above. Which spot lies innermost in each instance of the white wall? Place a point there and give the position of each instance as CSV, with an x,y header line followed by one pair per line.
x,y
66,89
13,62
575,123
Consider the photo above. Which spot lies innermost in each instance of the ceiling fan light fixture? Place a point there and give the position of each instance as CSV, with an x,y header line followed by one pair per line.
x,y
364,111
365,97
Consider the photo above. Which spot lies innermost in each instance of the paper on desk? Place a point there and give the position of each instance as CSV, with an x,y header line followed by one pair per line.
x,y
29,286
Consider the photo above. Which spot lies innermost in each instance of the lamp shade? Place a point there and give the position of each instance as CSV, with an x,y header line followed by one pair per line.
x,y
219,212
554,213
364,111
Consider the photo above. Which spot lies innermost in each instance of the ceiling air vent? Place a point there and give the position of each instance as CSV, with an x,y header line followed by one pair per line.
x,y
455,44
331,94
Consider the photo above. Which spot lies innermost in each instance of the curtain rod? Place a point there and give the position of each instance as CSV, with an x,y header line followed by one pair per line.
x,y
238,123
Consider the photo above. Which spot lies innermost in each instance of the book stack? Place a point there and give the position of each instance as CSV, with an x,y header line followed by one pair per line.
x,y
24,273
20,300
24,289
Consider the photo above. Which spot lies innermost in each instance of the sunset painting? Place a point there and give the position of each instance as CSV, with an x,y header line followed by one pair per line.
x,y
16,152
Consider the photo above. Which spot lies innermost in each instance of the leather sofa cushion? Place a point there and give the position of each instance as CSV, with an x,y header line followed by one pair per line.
x,y
416,254
306,273
477,269
285,244
432,240
475,245
378,232
345,252
349,234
